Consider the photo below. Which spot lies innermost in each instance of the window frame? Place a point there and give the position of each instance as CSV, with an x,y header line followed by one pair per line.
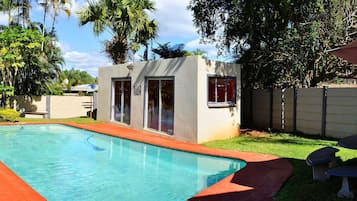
x,y
226,103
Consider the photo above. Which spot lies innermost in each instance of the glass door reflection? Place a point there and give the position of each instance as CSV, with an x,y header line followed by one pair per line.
x,y
122,97
160,105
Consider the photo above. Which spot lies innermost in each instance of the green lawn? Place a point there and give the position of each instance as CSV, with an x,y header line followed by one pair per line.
x,y
300,186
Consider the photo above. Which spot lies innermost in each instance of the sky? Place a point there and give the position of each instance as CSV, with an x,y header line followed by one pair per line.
x,y
83,50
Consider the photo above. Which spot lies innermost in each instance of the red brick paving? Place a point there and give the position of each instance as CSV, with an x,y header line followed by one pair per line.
x,y
260,180
13,188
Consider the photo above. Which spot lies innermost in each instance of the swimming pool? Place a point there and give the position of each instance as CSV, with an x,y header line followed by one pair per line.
x,y
65,163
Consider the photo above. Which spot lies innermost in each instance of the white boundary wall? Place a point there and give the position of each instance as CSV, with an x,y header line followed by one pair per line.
x,y
57,107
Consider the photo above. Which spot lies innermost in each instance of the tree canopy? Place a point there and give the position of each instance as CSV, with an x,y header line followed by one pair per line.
x,y
167,51
72,77
23,65
30,60
280,43
127,20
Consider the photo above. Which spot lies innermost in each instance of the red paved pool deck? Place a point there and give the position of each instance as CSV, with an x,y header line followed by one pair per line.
x,y
260,180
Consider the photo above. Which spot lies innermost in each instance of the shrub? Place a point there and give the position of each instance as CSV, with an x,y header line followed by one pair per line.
x,y
9,115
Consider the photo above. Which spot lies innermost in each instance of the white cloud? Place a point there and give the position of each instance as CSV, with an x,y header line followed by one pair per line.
x,y
210,49
74,7
86,61
63,46
77,5
173,17
3,18
175,20
175,26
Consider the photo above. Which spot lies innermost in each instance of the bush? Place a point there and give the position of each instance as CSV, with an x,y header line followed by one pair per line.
x,y
9,115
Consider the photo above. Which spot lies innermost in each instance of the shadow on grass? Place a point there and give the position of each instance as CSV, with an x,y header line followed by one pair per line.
x,y
301,187
288,139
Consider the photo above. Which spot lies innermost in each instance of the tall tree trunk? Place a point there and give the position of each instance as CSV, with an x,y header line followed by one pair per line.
x,y
117,49
26,12
53,23
55,11
9,18
146,52
45,6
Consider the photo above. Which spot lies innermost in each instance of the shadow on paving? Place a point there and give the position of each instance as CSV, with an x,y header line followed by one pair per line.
x,y
265,178
299,186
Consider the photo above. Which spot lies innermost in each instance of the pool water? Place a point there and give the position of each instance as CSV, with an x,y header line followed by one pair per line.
x,y
64,163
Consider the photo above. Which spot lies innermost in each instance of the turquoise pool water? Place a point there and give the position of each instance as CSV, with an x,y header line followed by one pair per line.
x,y
64,163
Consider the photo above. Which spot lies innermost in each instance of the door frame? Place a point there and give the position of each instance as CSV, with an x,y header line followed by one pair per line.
x,y
112,104
146,100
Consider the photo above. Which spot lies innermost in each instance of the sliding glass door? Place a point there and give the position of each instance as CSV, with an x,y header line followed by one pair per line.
x,y
122,97
160,104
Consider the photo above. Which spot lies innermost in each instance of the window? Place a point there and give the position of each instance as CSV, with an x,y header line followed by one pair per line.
x,y
221,91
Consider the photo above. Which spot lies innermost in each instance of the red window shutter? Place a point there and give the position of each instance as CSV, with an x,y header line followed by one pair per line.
x,y
230,90
221,90
212,89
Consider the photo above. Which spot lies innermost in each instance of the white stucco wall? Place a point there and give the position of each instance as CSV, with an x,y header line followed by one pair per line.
x,y
56,106
69,106
216,123
184,72
193,120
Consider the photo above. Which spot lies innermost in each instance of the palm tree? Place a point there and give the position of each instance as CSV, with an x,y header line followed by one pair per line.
x,y
18,11
166,51
6,6
127,21
58,5
26,6
148,33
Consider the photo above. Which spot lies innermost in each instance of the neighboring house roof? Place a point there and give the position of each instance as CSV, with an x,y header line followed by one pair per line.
x,y
85,88
347,52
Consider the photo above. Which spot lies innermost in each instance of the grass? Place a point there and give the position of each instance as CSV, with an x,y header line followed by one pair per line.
x,y
300,186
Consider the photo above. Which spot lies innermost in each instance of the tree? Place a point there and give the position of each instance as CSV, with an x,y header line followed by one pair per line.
x,y
29,70
22,63
70,78
148,32
127,20
17,11
166,51
279,43
306,43
57,6
25,5
6,6
5,92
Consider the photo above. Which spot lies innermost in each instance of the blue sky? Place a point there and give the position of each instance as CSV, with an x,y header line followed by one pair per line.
x,y
83,50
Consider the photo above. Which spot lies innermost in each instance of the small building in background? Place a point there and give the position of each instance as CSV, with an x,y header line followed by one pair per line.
x,y
190,98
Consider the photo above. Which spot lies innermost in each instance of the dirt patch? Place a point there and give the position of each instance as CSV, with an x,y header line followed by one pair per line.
x,y
254,133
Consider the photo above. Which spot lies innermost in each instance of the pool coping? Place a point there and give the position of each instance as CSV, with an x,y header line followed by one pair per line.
x,y
259,180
